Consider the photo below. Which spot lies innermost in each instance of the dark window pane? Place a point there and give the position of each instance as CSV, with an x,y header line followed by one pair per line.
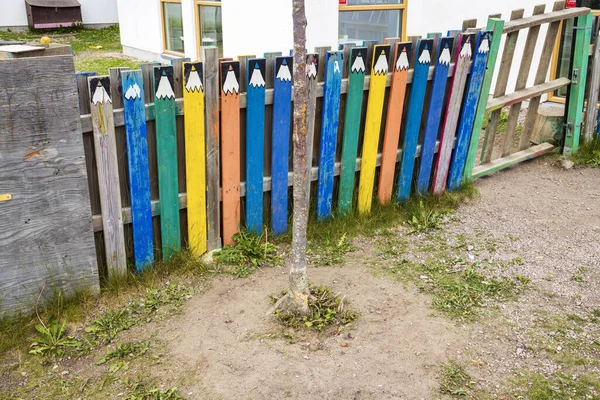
x,y
173,27
356,26
211,29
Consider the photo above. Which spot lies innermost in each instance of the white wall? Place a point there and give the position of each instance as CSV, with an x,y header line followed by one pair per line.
x,y
92,11
449,15
259,26
141,29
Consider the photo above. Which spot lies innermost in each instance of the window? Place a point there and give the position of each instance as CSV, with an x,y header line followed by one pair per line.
x,y
561,57
172,26
371,20
210,27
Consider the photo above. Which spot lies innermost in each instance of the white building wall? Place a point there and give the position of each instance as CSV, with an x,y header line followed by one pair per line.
x,y
441,16
93,12
141,28
259,26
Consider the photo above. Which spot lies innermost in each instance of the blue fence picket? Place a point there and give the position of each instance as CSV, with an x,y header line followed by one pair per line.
x,y
255,143
282,108
436,105
137,161
413,119
329,131
463,136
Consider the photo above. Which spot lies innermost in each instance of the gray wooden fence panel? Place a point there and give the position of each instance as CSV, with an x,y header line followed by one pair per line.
x,y
45,235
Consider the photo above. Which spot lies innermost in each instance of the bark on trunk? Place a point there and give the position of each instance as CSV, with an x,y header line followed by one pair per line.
x,y
298,279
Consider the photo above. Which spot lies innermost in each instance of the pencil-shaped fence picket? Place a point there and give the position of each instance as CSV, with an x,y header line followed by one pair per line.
x,y
187,154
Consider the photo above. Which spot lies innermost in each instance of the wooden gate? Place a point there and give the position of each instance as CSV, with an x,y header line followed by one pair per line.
x,y
495,149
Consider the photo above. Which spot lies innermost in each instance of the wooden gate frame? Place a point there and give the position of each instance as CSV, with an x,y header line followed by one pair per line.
x,y
533,93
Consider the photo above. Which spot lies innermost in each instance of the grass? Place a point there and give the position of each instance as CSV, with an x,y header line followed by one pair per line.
x,y
454,380
588,154
501,122
326,309
557,386
579,276
458,289
125,350
93,49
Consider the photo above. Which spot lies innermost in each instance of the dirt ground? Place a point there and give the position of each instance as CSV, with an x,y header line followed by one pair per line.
x,y
552,217
537,223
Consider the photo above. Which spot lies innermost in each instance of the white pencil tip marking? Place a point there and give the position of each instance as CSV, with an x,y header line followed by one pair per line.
x,y
100,95
133,92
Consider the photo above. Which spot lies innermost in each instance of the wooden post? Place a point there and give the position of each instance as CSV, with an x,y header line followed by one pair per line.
x,y
139,173
373,120
465,128
495,26
282,111
461,69
108,174
312,71
413,119
255,143
354,100
329,128
389,153
434,113
230,149
370,45
195,156
583,34
83,89
212,87
116,86
166,153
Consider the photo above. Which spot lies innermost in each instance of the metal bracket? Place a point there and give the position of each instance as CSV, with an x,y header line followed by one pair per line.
x,y
575,79
581,28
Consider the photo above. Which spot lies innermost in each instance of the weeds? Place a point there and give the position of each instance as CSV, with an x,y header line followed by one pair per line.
x,y
579,275
424,219
249,253
558,386
108,325
140,392
51,339
329,251
454,380
588,154
326,309
126,350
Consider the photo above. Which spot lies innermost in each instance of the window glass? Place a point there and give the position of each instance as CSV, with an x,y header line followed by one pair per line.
x,y
356,26
173,27
211,29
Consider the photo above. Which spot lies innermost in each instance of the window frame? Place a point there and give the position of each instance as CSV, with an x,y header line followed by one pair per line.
x,y
164,28
402,6
552,96
197,4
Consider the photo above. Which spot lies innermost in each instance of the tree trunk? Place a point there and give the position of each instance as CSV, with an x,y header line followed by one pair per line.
x,y
296,300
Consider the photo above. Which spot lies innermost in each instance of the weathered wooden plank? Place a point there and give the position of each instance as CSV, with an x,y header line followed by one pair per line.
x,y
540,77
230,149
402,56
370,45
354,100
255,143
148,77
536,20
195,156
312,71
495,26
244,70
500,90
591,113
212,87
465,127
108,175
282,112
583,34
434,113
84,91
457,88
322,57
177,64
469,24
116,86
526,94
166,153
45,237
416,102
329,127
137,161
515,158
346,49
373,120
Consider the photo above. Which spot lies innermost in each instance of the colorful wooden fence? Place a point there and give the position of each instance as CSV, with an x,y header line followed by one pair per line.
x,y
222,128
